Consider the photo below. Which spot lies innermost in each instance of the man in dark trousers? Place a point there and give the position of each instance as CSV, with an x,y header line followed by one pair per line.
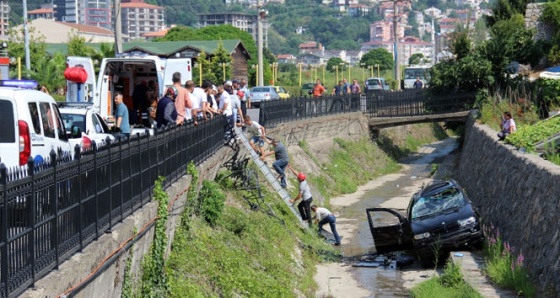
x,y
281,154
304,194
324,216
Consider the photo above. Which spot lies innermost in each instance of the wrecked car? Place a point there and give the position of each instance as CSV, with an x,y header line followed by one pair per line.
x,y
439,218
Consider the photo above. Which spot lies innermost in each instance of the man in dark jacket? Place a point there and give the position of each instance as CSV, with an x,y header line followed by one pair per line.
x,y
166,112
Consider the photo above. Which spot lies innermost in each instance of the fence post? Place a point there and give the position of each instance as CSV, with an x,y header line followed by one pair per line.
x,y
110,229
32,202
4,247
121,174
55,196
96,195
78,157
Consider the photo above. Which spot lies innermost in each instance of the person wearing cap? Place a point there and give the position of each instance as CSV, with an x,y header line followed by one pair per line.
x,y
304,194
166,112
282,159
324,216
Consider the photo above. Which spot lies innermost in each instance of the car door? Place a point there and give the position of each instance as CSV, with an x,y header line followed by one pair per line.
x,y
393,235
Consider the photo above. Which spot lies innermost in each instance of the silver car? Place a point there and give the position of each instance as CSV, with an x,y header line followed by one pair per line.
x,y
262,93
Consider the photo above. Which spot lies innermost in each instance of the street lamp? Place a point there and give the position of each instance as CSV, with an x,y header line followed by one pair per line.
x,y
336,69
275,72
300,65
199,73
349,78
224,64
370,67
256,68
323,73
363,71
377,65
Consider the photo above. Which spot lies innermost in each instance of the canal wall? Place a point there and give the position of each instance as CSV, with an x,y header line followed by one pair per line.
x,y
518,194
98,271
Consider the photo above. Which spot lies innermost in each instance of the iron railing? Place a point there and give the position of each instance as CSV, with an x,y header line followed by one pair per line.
x,y
410,102
49,215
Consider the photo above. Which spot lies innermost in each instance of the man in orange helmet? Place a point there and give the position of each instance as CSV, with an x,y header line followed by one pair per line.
x,y
304,206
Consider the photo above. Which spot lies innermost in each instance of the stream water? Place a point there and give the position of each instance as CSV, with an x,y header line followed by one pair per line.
x,y
381,281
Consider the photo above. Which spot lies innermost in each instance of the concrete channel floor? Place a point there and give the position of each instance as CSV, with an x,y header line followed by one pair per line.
x,y
472,265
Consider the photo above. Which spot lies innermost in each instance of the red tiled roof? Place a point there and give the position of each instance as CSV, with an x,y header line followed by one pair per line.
x,y
285,56
40,11
160,33
88,28
307,45
139,5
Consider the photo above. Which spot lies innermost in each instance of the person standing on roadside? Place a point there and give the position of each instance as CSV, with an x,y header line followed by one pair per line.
x,y
121,115
324,216
245,102
182,101
304,194
281,154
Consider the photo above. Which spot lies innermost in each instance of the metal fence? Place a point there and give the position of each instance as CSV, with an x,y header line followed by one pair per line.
x,y
409,102
48,215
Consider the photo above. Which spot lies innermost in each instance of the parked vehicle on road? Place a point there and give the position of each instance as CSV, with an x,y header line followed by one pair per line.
x,y
30,124
281,92
413,72
376,84
439,218
83,125
307,89
262,93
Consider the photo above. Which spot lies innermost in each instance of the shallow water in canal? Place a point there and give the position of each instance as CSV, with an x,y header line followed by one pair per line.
x,y
380,281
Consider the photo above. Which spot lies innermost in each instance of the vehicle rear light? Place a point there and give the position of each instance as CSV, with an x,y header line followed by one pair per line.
x,y
24,142
86,143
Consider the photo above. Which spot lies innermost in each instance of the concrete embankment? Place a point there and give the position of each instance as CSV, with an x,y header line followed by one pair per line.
x,y
519,195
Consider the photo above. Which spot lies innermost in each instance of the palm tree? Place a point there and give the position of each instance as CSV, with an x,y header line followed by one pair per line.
x,y
49,72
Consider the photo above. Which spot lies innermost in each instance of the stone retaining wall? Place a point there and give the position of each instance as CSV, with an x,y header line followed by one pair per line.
x,y
520,195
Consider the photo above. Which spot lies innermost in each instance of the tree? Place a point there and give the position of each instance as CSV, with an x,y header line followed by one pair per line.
x,y
378,56
505,9
551,15
221,61
49,72
207,73
77,46
335,62
416,58
37,46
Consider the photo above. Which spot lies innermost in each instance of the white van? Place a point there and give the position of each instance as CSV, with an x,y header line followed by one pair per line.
x,y
124,74
30,126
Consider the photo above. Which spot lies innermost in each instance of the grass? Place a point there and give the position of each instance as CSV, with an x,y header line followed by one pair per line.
x,y
352,164
450,284
505,266
245,253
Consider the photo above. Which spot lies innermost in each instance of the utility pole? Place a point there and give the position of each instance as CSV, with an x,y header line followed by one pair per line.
x,y
118,27
26,37
396,44
260,15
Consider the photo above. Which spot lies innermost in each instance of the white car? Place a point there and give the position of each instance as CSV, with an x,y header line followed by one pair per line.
x,y
30,125
83,125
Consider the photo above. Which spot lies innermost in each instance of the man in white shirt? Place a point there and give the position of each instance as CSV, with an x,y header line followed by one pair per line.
x,y
305,196
323,216
199,100
224,108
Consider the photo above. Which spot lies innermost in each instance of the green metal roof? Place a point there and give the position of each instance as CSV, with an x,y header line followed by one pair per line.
x,y
164,48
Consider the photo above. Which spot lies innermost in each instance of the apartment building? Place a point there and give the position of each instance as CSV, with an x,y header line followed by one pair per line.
x,y
139,18
87,12
243,21
4,17
406,48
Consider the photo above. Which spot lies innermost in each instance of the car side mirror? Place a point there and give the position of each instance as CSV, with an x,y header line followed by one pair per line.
x,y
76,132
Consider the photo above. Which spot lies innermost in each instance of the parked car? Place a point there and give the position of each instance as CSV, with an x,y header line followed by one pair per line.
x,y
30,123
281,92
376,84
307,89
83,125
439,218
262,93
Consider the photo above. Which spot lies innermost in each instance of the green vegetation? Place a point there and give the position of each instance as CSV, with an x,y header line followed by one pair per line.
x,y
244,251
422,134
433,169
448,284
504,266
154,279
351,164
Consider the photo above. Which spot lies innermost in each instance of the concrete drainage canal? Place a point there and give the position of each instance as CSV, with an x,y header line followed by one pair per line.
x,y
386,275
